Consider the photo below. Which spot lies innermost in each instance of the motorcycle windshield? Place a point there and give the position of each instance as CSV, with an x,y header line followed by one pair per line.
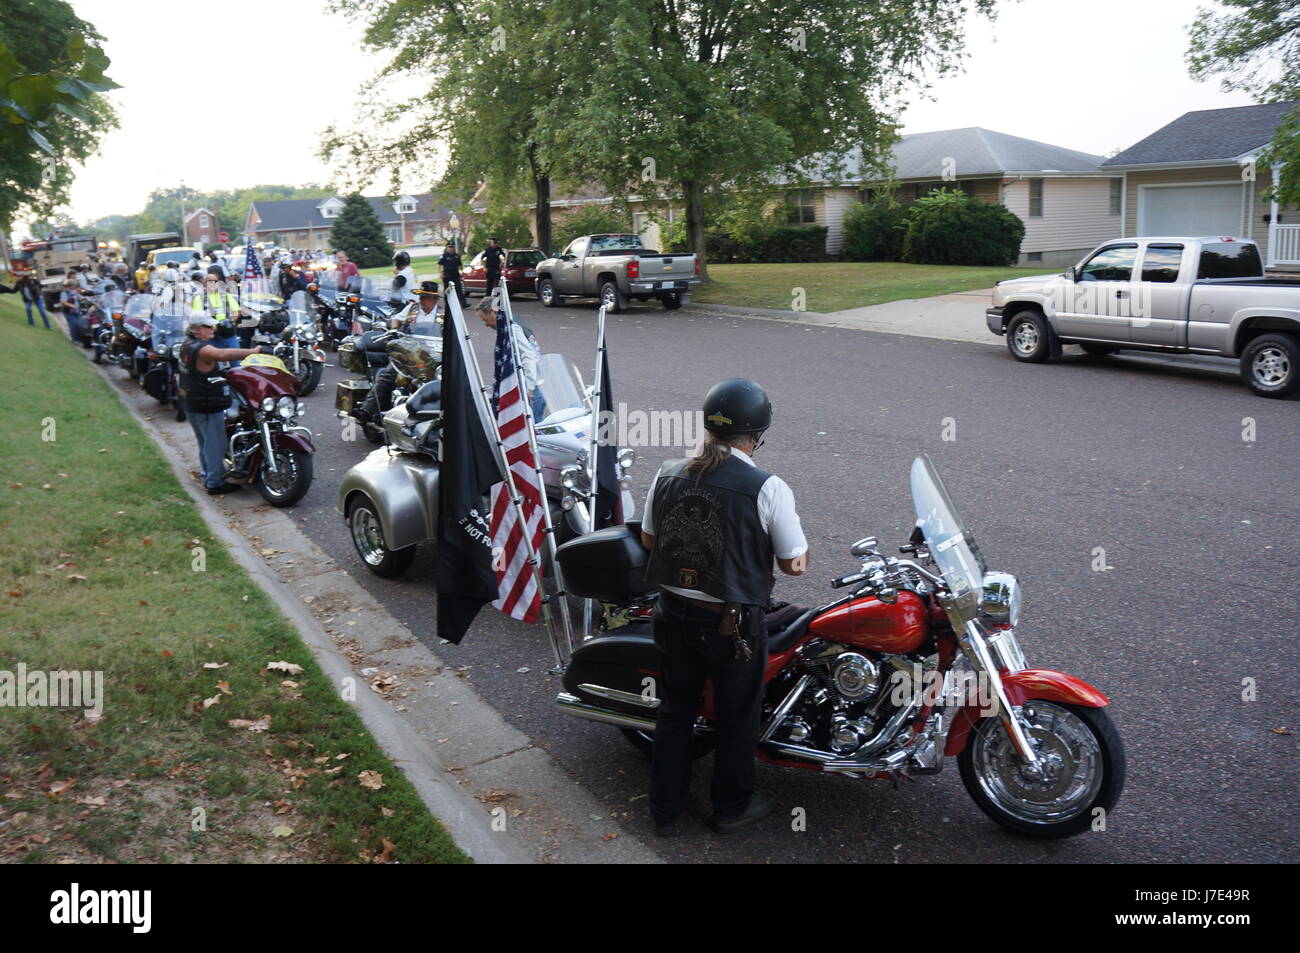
x,y
949,541
300,315
112,301
561,387
166,330
139,306
260,294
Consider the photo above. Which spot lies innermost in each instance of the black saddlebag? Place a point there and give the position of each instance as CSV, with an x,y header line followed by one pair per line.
x,y
609,672
608,564
154,381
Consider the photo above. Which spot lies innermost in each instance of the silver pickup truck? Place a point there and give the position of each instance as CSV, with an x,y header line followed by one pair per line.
x,y
1176,295
615,268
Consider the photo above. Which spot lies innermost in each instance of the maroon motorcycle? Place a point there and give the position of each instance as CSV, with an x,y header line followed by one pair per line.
x,y
264,444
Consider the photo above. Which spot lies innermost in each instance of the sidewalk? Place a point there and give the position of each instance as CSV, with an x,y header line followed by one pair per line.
x,y
502,799
951,317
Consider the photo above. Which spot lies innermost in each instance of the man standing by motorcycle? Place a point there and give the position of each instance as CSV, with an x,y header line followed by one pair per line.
x,y
714,524
426,312
347,272
206,400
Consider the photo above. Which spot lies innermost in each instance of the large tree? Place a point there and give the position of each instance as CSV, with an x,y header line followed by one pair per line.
x,y
52,113
485,73
691,96
358,231
1254,46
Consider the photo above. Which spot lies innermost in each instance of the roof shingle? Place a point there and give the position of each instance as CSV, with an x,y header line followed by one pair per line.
x,y
1207,134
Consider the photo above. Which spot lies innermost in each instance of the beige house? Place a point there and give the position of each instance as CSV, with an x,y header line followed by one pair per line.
x,y
1201,175
1068,203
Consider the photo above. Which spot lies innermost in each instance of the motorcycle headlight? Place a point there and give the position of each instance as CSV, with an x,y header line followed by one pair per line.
x,y
570,476
298,410
1000,599
285,407
268,404
626,457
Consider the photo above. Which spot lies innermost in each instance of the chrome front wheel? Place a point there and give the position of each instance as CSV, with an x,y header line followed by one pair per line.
x,y
1081,769
291,479
368,539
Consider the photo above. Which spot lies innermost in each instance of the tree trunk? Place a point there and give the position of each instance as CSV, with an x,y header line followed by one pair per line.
x,y
693,193
542,186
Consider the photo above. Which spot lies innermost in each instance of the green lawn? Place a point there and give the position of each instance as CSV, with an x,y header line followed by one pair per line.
x,y
835,286
106,566
425,265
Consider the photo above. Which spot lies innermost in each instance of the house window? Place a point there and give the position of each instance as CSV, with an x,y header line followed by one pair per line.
x,y
800,207
1035,198
1034,256
406,207
1116,196
866,196
330,209
394,232
203,221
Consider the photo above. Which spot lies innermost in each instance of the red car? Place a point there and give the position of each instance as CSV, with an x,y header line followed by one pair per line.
x,y
520,271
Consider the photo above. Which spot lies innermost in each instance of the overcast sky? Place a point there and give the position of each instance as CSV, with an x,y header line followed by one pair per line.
x,y
1095,76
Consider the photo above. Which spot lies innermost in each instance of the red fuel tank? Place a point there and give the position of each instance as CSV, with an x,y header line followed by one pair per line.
x,y
871,624
256,383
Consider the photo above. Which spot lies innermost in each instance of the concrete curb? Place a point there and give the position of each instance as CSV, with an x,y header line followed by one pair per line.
x,y
460,814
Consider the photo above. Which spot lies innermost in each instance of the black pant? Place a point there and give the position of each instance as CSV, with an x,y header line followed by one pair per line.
x,y
381,394
246,337
693,651
493,279
454,281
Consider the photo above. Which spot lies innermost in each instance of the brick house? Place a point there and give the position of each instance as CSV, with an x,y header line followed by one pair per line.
x,y
201,226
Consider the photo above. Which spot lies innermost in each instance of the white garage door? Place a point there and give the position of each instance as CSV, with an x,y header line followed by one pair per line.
x,y
1190,210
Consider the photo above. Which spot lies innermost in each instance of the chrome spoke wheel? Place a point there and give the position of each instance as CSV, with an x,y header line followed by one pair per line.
x,y
1069,773
280,482
1271,366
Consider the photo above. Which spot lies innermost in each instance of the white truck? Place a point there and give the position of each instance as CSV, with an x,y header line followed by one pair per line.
x,y
1175,295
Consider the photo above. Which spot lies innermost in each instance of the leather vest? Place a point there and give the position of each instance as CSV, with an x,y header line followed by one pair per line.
x,y
708,535
201,395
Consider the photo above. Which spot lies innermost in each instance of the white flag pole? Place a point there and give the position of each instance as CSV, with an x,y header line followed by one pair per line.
x,y
478,390
597,402
561,594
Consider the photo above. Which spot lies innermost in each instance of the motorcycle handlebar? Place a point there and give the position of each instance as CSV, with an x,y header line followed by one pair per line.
x,y
847,580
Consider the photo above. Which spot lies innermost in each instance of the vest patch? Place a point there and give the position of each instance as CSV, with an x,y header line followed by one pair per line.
x,y
692,529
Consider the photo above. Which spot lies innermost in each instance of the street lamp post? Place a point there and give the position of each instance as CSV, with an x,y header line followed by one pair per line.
x,y
455,232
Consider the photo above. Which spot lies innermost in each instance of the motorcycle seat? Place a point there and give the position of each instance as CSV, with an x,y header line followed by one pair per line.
x,y
783,631
426,402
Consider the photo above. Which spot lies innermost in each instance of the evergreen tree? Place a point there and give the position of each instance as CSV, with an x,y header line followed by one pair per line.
x,y
358,231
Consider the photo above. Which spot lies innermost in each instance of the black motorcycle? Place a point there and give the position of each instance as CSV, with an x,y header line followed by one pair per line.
x,y
161,380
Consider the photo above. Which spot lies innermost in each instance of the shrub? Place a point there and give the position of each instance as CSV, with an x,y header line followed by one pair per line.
x,y
509,223
951,228
874,232
590,220
773,243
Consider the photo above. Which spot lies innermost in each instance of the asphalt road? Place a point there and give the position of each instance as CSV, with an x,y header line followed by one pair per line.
x,y
1048,463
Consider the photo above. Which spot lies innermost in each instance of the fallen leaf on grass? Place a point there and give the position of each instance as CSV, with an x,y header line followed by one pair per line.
x,y
43,772
60,787
288,683
224,688
283,831
284,668
608,836
371,780
93,717
209,702
491,797
386,855
387,812
282,807
76,577
261,724
215,664
92,801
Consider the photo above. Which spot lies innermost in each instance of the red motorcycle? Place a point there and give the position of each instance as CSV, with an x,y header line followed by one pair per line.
x,y
913,667
264,446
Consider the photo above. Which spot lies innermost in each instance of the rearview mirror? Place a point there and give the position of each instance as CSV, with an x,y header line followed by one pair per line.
x,y
1069,274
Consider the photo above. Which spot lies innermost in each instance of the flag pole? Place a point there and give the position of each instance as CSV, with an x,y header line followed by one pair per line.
x,y
597,400
561,593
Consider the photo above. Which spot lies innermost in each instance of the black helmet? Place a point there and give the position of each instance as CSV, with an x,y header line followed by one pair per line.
x,y
226,328
401,259
735,406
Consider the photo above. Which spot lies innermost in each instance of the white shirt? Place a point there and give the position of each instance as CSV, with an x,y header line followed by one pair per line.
x,y
776,514
406,293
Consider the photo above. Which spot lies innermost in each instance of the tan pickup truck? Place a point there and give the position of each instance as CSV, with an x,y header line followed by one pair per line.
x,y
1174,295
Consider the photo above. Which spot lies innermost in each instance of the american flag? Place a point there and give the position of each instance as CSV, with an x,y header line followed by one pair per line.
x,y
252,263
518,595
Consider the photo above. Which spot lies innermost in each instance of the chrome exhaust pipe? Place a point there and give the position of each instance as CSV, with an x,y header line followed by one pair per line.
x,y
573,705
